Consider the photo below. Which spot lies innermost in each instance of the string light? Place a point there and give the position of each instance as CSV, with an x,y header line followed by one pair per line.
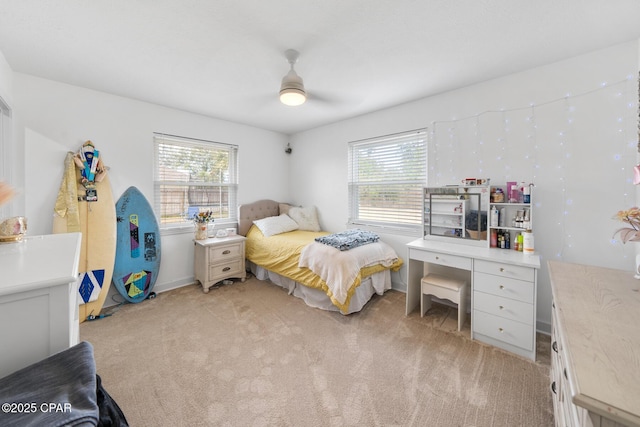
x,y
518,155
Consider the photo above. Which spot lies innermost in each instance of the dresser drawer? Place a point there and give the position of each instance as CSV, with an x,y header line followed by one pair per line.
x,y
505,270
505,330
504,307
225,252
226,270
441,259
504,287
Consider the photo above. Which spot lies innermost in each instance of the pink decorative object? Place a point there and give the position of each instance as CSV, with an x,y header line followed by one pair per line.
x,y
636,175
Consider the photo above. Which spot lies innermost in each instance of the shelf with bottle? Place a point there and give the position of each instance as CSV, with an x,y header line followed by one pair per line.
x,y
510,217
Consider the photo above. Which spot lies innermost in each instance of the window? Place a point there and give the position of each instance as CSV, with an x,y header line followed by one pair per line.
x,y
192,176
386,177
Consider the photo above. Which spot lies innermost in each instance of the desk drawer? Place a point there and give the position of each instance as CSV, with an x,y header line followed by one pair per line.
x,y
441,259
504,307
505,330
505,270
224,252
503,287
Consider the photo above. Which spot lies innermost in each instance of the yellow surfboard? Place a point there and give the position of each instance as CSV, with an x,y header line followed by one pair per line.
x,y
92,212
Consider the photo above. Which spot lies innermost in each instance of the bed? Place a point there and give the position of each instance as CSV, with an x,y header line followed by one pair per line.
x,y
324,277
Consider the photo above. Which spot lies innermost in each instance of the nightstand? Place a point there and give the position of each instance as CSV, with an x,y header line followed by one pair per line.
x,y
219,258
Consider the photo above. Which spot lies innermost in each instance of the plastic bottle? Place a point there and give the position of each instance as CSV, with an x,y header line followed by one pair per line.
x,y
494,238
526,194
528,243
520,242
495,216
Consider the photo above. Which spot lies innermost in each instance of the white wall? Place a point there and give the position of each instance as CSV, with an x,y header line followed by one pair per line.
x,y
6,158
52,118
6,81
569,127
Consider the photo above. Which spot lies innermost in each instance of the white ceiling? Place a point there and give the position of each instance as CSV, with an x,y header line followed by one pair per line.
x,y
225,58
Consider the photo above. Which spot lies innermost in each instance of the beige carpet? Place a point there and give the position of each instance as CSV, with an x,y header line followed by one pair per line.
x,y
248,354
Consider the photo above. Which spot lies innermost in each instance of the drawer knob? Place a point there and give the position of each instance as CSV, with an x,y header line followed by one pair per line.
x,y
226,269
226,252
501,269
437,257
501,286
554,346
501,330
553,387
501,307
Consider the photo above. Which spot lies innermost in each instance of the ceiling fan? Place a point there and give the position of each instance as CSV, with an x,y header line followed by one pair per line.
x,y
292,92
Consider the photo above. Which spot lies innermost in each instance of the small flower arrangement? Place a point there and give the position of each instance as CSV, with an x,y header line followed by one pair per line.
x,y
203,217
631,217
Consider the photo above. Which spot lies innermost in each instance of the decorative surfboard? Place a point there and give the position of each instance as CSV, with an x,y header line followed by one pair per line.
x,y
138,247
85,203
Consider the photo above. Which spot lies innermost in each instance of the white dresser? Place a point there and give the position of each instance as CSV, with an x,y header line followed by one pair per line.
x,y
595,356
38,298
219,258
503,289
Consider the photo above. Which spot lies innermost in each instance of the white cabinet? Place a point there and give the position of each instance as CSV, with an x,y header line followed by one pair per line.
x,y
504,306
38,298
219,258
595,346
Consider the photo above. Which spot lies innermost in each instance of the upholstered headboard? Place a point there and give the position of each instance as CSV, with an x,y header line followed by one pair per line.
x,y
253,211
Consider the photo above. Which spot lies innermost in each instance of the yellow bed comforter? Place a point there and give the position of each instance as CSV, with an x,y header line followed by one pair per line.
x,y
281,254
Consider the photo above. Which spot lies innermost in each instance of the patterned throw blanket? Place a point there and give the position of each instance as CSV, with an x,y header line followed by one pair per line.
x,y
349,239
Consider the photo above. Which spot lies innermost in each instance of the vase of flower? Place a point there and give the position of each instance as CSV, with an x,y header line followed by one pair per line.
x,y
201,221
202,231
632,233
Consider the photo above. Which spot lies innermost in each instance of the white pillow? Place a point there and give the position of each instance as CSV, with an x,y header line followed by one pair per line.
x,y
307,218
275,225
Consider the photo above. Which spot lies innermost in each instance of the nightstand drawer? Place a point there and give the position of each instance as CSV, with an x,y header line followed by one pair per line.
x,y
225,270
505,330
505,270
504,307
225,252
503,287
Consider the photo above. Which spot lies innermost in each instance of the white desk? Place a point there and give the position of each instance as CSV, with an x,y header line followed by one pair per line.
x,y
38,298
503,289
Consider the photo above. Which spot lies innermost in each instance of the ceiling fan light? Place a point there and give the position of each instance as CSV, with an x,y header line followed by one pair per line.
x,y
292,97
292,91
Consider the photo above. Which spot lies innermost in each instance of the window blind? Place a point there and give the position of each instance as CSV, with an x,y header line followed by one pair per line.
x,y
193,176
385,179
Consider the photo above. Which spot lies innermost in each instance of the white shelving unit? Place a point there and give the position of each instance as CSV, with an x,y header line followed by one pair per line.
x,y
513,219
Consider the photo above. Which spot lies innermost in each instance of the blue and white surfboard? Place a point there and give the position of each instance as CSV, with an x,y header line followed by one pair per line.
x,y
137,247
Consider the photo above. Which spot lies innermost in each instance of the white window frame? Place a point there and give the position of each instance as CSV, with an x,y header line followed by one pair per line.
x,y
225,213
399,214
